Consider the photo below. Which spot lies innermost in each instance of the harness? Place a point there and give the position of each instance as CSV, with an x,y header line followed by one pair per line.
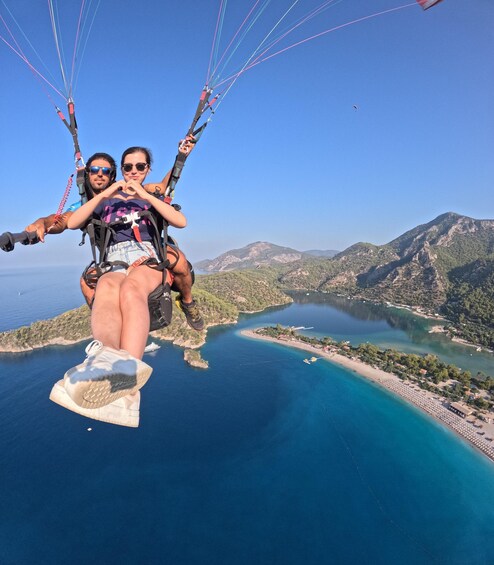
x,y
100,233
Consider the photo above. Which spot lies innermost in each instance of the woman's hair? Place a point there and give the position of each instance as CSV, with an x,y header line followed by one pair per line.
x,y
130,150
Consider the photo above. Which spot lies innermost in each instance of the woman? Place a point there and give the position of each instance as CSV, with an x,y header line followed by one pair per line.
x,y
120,314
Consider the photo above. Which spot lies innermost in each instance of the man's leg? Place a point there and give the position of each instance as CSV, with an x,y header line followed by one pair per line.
x,y
183,282
181,272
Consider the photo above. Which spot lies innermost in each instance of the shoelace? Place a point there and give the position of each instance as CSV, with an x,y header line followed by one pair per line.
x,y
193,311
93,347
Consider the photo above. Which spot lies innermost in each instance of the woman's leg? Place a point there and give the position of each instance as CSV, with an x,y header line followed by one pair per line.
x,y
108,373
134,292
106,317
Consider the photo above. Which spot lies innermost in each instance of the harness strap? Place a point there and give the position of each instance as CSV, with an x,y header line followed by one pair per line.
x,y
179,163
72,127
100,232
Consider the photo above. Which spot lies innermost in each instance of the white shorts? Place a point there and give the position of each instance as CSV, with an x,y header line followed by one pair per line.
x,y
129,252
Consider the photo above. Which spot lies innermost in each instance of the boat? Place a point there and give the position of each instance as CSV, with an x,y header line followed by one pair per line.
x,y
307,361
151,347
314,359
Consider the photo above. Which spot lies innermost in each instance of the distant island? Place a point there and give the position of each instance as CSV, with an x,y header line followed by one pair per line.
x,y
453,396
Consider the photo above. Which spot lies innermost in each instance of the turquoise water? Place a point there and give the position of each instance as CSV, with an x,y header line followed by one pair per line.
x,y
360,322
260,459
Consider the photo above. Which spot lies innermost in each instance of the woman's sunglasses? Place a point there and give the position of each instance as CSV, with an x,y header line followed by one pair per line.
x,y
95,170
141,167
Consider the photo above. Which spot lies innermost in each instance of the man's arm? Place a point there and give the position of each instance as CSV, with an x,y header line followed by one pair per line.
x,y
185,147
47,224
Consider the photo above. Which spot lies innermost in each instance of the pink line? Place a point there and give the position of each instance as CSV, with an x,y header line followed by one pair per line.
x,y
33,69
259,61
233,39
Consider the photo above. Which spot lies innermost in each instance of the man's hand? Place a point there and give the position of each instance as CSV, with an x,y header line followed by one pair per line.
x,y
39,227
186,145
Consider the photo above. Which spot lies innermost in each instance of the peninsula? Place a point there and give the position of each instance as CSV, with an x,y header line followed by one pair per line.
x,y
475,426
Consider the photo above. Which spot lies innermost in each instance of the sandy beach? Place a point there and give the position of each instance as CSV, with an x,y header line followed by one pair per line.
x,y
430,403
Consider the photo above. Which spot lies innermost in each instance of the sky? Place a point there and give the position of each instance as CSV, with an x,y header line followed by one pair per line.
x,y
358,135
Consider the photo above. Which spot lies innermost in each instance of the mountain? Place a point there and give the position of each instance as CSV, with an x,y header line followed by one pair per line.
x,y
253,256
445,265
413,268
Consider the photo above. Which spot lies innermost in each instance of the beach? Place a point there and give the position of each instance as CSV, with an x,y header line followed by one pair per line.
x,y
427,401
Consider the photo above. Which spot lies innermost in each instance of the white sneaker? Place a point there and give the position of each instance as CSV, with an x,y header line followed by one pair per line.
x,y
123,412
105,376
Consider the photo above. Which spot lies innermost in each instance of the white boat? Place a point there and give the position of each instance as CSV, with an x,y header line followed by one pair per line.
x,y
151,347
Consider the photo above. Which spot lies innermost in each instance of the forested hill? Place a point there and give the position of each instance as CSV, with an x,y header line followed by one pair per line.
x,y
443,266
222,297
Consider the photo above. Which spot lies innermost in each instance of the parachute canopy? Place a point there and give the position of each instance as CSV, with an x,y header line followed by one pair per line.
x,y
428,3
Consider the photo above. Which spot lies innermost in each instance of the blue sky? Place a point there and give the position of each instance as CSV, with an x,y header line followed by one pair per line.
x,y
287,157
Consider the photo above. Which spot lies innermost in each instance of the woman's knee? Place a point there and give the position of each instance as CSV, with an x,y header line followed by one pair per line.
x,y
131,291
108,285
135,290
109,281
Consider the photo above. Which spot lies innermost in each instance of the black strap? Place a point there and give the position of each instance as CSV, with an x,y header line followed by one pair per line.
x,y
100,232
180,159
72,127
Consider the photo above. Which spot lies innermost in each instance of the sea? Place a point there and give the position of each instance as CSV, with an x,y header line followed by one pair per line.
x,y
260,459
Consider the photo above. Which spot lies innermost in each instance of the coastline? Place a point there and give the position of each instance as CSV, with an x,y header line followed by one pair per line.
x,y
422,399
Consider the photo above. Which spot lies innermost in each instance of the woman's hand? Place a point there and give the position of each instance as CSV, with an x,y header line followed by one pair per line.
x,y
112,190
133,188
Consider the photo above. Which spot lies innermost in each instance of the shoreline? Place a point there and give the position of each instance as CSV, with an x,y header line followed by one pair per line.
x,y
422,399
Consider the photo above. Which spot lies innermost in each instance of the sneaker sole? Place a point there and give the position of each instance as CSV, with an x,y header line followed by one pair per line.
x,y
101,392
110,414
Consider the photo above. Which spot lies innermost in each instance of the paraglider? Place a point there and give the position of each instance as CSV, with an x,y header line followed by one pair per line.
x,y
225,67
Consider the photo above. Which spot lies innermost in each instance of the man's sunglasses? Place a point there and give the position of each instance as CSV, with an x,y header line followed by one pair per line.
x,y
141,167
95,170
